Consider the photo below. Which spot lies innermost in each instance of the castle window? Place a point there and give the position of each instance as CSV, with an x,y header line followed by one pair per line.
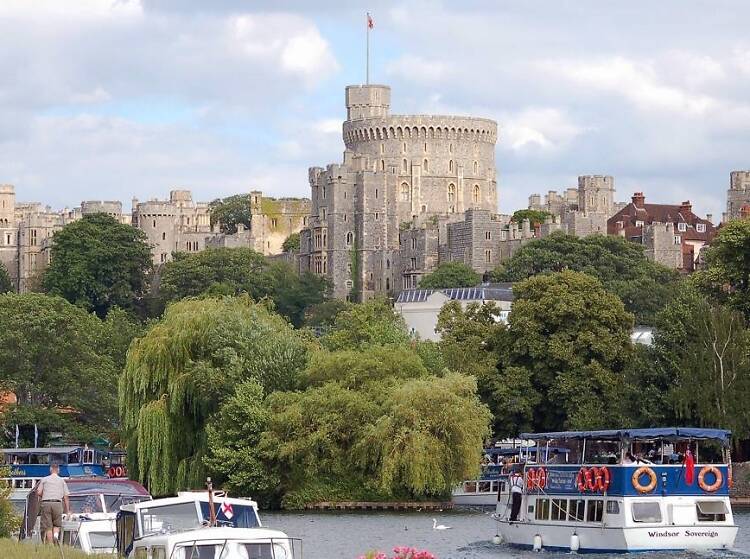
x,y
451,191
382,148
450,148
677,240
274,222
405,166
7,239
682,226
452,209
377,216
387,264
450,166
322,213
154,223
425,147
405,194
344,217
163,236
325,265
325,240
700,227
487,236
382,164
387,284
404,147
349,268
163,256
425,166
349,284
323,192
477,193
33,237
424,208
488,256
376,193
476,168
414,243
304,220
188,221
413,263
349,238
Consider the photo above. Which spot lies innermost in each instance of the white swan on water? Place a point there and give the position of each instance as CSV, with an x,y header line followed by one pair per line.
x,y
436,526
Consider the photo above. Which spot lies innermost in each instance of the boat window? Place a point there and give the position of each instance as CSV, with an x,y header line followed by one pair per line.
x,y
559,509
646,512
484,486
576,510
180,516
613,507
158,552
141,553
264,551
594,510
85,504
68,538
102,540
542,509
494,487
711,511
470,487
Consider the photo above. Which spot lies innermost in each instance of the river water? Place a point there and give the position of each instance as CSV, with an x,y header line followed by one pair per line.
x,y
347,535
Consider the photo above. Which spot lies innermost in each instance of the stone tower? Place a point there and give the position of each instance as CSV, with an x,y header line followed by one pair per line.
x,y
397,170
596,194
738,194
8,231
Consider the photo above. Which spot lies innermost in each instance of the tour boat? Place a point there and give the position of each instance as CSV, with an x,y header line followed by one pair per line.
x,y
677,499
195,525
94,503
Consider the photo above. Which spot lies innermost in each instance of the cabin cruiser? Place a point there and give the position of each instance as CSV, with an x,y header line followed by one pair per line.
x,y
199,525
94,503
622,490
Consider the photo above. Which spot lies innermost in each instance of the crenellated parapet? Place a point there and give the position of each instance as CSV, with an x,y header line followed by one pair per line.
x,y
419,128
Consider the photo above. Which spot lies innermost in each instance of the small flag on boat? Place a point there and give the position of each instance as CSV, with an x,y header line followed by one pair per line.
x,y
226,510
370,22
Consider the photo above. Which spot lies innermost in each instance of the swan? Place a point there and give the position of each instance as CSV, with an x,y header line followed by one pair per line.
x,y
436,526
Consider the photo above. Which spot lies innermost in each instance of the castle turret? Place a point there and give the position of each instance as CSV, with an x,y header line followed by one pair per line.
x,y
367,101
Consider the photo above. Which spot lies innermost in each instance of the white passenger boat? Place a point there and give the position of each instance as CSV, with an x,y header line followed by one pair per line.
x,y
678,499
200,526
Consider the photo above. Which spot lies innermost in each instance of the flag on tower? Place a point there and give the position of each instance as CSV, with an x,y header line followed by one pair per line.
x,y
370,22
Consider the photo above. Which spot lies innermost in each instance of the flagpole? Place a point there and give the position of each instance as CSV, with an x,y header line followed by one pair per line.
x,y
367,74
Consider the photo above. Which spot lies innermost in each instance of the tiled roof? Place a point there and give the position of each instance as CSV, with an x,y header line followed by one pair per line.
x,y
488,292
660,213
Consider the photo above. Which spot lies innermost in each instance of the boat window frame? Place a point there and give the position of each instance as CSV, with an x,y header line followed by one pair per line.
x,y
484,486
542,506
704,516
595,506
575,518
613,506
559,513
634,504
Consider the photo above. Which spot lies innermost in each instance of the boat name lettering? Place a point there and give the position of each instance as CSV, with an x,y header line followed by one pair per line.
x,y
688,533
561,480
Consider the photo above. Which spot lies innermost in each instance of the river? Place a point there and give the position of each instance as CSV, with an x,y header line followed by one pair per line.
x,y
347,535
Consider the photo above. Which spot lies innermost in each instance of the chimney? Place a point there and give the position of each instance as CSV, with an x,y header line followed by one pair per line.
x,y
710,217
639,199
686,207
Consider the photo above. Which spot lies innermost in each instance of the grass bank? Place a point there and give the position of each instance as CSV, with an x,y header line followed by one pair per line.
x,y
10,549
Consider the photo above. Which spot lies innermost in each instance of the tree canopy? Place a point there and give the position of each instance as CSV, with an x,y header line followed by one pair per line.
x,y
642,285
535,217
371,323
563,353
6,286
182,370
98,263
450,274
231,212
56,360
291,243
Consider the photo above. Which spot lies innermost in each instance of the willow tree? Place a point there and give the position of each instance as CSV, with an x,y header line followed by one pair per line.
x,y
178,375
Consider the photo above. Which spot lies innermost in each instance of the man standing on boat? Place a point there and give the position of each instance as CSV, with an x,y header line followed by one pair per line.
x,y
53,492
516,491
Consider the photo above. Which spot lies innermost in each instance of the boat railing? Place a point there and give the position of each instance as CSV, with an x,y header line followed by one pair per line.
x,y
275,545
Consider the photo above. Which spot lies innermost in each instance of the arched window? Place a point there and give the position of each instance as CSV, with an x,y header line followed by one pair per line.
x,y
404,147
405,165
450,166
451,193
477,193
405,193
387,263
425,147
382,148
425,166
349,238
387,284
382,164
476,167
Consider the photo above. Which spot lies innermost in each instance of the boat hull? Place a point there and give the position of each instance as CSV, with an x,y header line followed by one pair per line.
x,y
474,499
601,539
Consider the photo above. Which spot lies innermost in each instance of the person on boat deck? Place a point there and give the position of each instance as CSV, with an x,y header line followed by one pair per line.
x,y
554,458
53,492
516,491
629,459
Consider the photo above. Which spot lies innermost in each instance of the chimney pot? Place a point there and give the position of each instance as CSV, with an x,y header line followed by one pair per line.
x,y
639,199
686,206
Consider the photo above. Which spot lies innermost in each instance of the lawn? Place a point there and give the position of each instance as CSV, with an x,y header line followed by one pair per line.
x,y
10,549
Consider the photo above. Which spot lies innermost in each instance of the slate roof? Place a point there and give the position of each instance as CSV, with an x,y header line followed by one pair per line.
x,y
485,292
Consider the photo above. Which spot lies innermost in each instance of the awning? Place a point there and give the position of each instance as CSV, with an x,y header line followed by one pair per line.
x,y
671,433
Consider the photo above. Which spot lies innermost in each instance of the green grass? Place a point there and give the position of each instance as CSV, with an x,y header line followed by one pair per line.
x,y
10,549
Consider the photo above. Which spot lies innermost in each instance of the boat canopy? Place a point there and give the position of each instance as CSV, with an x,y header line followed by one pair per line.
x,y
671,433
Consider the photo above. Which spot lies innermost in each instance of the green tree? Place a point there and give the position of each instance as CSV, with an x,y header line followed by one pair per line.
x,y
568,341
235,459
450,274
6,286
703,349
230,212
642,285
294,293
182,370
291,243
55,362
726,275
535,217
9,520
98,263
366,324
323,315
118,331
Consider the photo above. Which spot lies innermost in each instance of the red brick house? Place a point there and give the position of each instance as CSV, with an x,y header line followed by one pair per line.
x,y
673,234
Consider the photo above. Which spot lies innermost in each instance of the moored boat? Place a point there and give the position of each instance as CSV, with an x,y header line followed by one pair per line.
x,y
608,498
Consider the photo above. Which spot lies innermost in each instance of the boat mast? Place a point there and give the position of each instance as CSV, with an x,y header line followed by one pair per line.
x,y
211,509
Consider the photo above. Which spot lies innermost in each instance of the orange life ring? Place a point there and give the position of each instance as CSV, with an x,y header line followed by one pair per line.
x,y
588,475
119,471
541,478
112,472
603,479
530,478
718,478
636,480
581,480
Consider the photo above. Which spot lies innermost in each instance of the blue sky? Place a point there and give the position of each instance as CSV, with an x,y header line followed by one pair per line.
x,y
110,99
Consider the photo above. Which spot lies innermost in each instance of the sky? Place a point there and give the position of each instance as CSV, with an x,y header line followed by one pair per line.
x,y
114,99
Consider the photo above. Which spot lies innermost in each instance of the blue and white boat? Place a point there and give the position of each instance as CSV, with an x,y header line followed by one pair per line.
x,y
600,501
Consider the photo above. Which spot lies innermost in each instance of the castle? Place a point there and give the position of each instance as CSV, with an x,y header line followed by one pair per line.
x,y
178,224
738,195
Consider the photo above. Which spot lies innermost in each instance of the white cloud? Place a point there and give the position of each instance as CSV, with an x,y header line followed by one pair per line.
x,y
98,95
70,9
546,128
417,69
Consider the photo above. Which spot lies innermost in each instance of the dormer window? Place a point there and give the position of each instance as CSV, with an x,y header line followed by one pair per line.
x,y
639,223
682,226
700,227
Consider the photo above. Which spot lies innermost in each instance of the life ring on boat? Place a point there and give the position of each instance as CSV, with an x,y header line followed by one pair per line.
x,y
636,480
603,479
530,478
541,478
588,477
581,480
112,472
718,478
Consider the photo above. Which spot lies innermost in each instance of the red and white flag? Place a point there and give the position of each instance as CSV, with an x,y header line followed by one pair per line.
x,y
226,510
370,22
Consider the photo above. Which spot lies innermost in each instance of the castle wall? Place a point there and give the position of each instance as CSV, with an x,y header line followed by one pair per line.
x,y
738,194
